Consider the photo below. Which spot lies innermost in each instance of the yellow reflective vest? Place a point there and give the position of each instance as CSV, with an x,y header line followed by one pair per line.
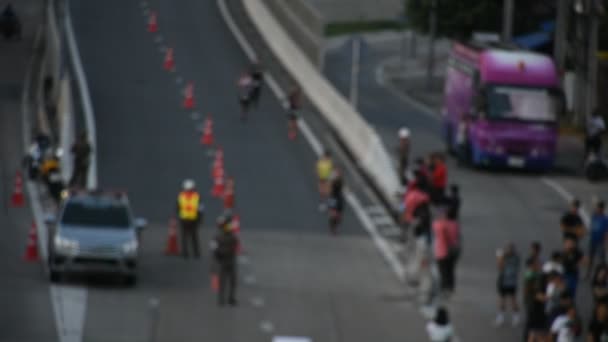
x,y
188,202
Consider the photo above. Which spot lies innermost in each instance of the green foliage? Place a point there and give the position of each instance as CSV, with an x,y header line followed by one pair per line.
x,y
459,18
349,27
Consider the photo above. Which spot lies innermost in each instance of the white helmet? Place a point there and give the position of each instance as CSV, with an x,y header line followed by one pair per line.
x,y
189,184
404,132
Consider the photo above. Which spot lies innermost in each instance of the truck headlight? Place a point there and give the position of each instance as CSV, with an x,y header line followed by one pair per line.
x,y
65,246
130,248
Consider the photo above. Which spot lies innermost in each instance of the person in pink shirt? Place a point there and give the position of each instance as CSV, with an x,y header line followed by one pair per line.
x,y
439,178
413,198
446,248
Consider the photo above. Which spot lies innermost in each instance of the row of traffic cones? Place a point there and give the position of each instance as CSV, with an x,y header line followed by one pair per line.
x,y
222,187
18,201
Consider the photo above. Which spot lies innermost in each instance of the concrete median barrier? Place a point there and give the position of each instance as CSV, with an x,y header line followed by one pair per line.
x,y
360,139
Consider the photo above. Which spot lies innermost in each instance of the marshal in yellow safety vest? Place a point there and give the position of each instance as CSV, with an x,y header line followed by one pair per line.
x,y
189,202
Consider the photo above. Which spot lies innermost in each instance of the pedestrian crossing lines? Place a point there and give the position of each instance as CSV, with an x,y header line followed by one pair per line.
x,y
384,222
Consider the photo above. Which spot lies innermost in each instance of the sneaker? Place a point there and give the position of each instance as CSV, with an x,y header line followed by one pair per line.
x,y
500,319
515,319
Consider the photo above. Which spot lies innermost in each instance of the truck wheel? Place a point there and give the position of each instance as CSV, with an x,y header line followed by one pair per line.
x,y
131,280
55,276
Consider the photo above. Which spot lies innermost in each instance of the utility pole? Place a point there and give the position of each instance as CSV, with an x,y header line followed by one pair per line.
x,y
432,37
507,20
592,67
560,42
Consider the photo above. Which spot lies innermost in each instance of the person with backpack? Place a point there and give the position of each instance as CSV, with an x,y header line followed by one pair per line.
x,y
508,277
446,248
225,249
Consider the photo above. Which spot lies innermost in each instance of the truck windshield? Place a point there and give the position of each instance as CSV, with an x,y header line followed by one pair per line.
x,y
96,214
520,103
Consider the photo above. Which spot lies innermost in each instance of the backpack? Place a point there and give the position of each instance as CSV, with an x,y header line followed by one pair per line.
x,y
226,247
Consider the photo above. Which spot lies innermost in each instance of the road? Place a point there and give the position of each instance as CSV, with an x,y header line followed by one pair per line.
x,y
297,280
497,206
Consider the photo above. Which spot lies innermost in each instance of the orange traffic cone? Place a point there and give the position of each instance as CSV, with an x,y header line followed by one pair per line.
x,y
207,137
189,96
31,250
218,185
236,224
229,194
17,199
172,247
218,169
152,22
215,282
169,64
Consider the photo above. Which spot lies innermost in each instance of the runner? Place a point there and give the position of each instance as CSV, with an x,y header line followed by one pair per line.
x,y
245,86
336,202
295,103
324,170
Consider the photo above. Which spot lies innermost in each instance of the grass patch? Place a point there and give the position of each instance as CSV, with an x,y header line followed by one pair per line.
x,y
350,27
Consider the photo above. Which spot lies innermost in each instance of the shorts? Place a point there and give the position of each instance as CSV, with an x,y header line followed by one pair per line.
x,y
505,291
336,204
292,115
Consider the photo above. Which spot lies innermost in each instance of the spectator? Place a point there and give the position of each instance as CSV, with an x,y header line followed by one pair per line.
x,y
508,276
413,198
554,264
439,178
598,327
440,329
403,153
446,238
572,223
595,128
572,260
535,252
536,324
10,25
257,80
453,200
554,293
532,283
81,150
566,327
599,284
598,238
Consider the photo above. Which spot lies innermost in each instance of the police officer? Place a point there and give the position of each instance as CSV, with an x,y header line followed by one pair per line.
x,y
190,213
225,246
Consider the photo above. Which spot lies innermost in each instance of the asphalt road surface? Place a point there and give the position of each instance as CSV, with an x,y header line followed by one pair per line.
x,y
296,280
498,207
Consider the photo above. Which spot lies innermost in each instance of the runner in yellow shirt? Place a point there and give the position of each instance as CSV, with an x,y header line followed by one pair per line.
x,y
324,170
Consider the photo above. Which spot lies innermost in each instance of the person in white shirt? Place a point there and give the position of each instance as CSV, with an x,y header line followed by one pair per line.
x,y
565,328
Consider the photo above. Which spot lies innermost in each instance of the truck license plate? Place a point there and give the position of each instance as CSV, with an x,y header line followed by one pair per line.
x,y
516,162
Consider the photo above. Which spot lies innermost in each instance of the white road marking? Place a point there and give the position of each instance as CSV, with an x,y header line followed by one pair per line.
x,y
146,12
390,231
383,220
291,339
69,306
159,39
266,326
257,302
195,115
567,196
376,210
250,279
179,80
162,49
244,260
143,4
85,97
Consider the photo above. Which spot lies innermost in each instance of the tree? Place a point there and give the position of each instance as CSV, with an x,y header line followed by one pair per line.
x,y
459,19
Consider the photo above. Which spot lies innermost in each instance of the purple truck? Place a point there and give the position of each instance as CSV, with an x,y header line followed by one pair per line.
x,y
501,107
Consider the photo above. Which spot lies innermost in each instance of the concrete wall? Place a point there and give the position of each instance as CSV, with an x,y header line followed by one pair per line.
x,y
304,25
